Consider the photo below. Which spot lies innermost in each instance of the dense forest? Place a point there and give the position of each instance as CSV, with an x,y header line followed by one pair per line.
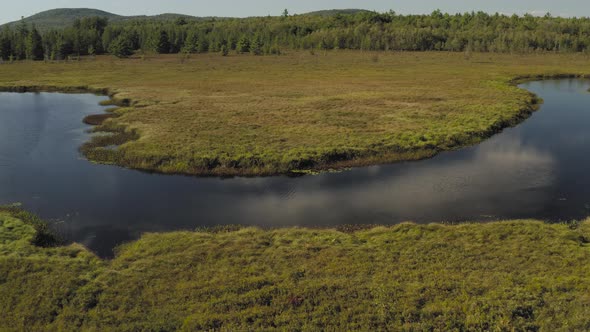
x,y
478,32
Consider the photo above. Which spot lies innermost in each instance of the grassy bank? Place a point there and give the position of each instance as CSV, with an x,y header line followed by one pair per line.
x,y
517,275
213,115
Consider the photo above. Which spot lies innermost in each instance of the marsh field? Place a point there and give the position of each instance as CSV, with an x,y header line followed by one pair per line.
x,y
505,276
245,115
210,115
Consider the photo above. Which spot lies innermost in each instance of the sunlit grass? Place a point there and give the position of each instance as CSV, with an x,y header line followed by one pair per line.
x,y
515,275
262,115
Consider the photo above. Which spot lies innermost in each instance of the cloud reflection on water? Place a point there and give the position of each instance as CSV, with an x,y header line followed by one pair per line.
x,y
427,189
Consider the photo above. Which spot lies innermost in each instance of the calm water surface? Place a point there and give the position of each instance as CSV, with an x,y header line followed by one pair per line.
x,y
539,169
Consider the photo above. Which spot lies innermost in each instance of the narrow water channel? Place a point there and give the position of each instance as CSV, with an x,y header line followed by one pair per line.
x,y
539,169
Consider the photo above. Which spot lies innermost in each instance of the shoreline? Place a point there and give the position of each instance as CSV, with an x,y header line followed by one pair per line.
x,y
94,149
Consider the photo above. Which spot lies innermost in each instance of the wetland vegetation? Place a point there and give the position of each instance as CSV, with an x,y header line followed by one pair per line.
x,y
245,115
515,275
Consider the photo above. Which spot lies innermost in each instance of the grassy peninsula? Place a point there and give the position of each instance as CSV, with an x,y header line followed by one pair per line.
x,y
247,115
503,276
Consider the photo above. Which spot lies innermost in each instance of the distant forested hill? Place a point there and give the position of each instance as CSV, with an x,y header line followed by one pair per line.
x,y
61,18
64,17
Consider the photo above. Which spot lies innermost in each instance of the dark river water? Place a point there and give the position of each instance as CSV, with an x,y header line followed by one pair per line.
x,y
539,169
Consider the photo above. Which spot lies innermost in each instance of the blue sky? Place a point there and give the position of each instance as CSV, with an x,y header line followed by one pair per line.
x,y
241,8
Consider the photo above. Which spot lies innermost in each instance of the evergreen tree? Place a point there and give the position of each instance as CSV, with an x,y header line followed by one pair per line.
x,y
64,48
5,44
20,39
191,44
256,47
224,50
163,43
203,46
34,45
121,47
243,45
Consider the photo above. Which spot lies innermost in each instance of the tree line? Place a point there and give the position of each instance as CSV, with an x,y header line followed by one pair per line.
x,y
479,32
